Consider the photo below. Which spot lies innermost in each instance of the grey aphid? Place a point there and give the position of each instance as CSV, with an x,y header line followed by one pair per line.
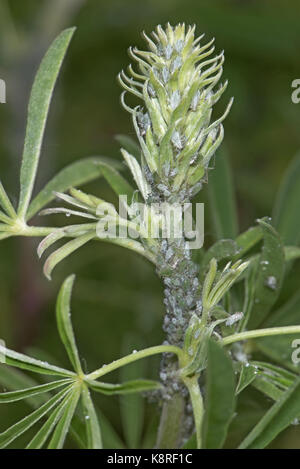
x,y
176,64
151,91
176,140
168,51
165,74
189,300
209,95
164,245
234,318
179,45
195,282
175,99
166,169
169,253
213,133
195,100
160,50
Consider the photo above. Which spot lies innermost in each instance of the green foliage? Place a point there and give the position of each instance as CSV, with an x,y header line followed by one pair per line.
x,y
238,289
37,116
220,398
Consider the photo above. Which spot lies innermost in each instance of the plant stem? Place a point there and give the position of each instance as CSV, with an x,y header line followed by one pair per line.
x,y
133,357
197,403
171,423
260,333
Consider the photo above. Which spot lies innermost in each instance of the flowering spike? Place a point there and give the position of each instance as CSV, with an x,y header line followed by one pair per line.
x,y
176,83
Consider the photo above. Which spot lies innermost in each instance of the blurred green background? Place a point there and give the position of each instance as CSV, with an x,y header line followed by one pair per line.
x,y
117,299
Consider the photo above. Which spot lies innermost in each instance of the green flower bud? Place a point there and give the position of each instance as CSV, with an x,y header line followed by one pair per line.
x,y
176,82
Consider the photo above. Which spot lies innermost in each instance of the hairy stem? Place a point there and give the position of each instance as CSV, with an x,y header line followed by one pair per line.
x,y
261,333
197,404
133,357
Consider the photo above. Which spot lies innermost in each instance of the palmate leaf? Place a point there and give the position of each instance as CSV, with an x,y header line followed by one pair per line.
x,y
38,108
13,432
64,324
220,396
74,175
278,417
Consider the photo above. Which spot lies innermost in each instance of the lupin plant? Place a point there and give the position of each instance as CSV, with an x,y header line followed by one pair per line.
x,y
214,305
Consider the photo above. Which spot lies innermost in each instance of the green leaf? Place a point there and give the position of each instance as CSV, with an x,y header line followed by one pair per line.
x,y
272,380
38,108
249,239
42,435
57,256
91,420
266,387
14,396
278,417
117,182
129,144
250,288
278,374
287,314
220,396
61,431
269,276
73,175
5,203
286,206
247,375
15,379
222,199
111,439
197,405
64,324
129,387
19,360
291,253
19,428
